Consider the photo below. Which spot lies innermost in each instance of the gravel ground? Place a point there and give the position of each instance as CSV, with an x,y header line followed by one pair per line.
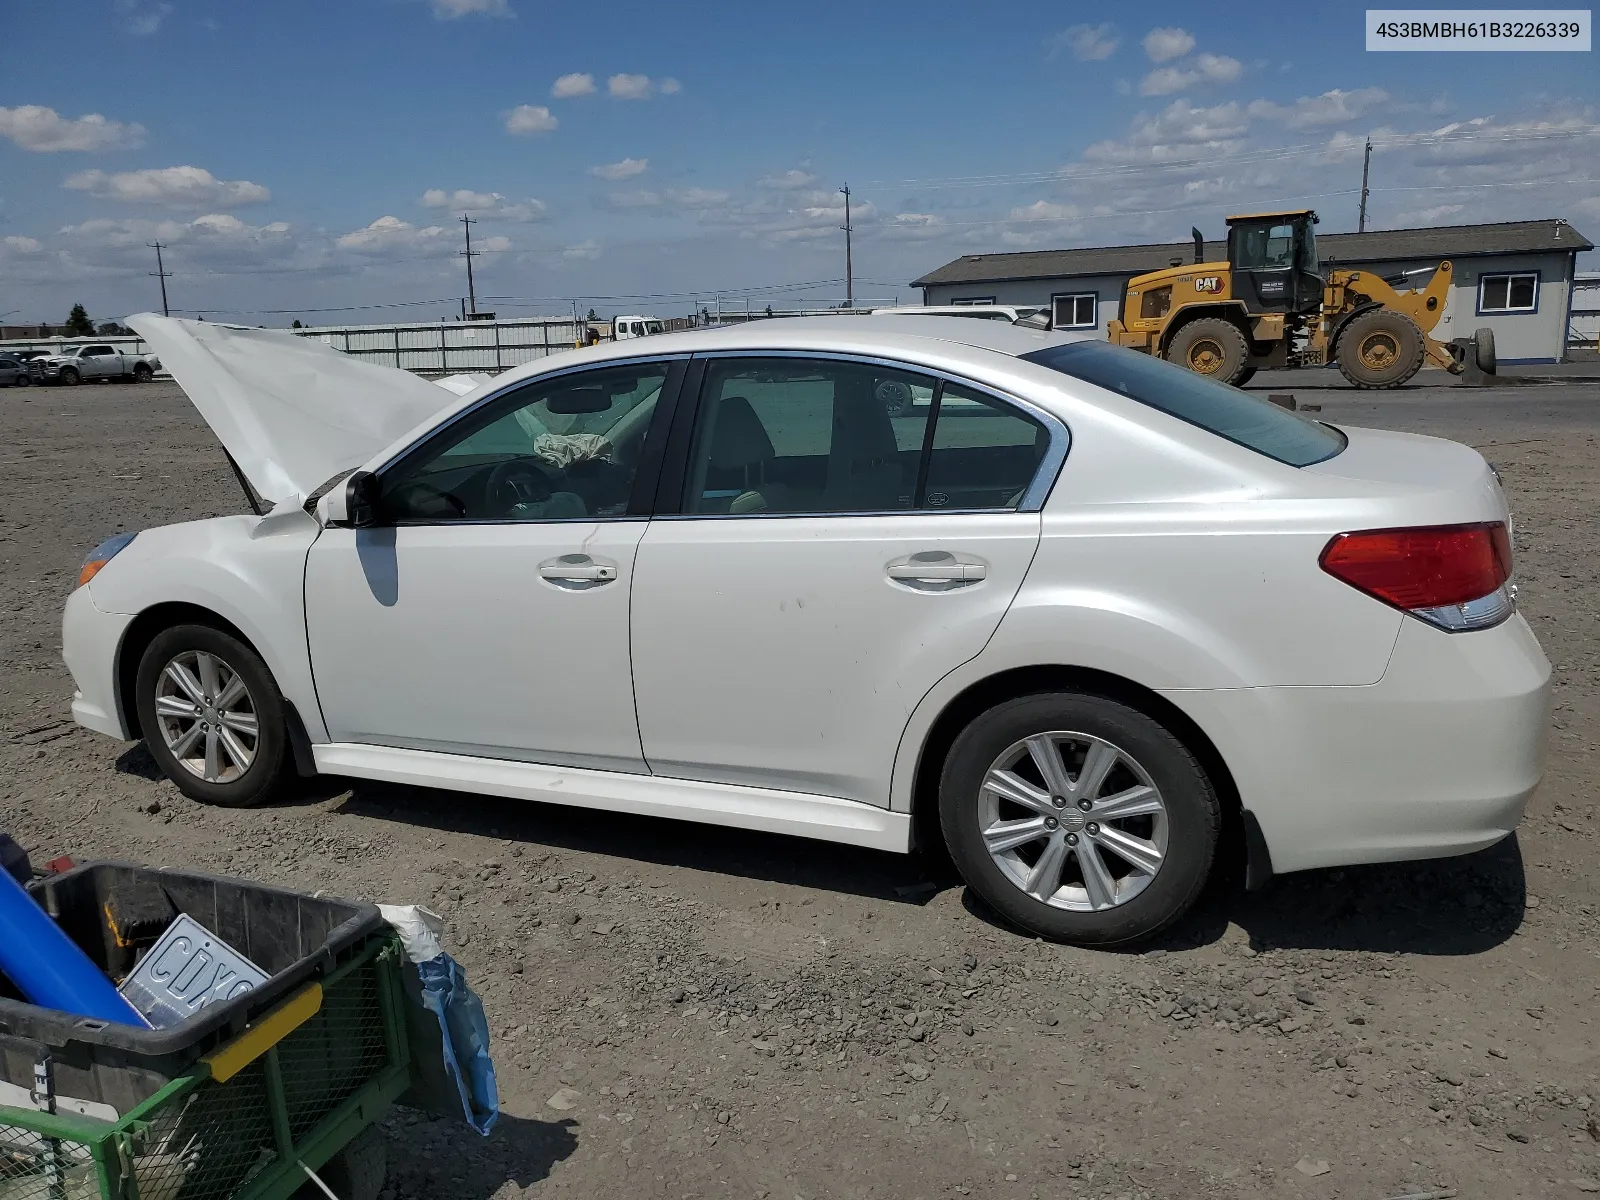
x,y
681,1011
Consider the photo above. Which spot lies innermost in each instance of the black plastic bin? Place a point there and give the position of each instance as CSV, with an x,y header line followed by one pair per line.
x,y
293,937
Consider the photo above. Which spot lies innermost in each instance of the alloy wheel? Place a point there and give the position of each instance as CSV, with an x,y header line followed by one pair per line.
x,y
207,716
1073,821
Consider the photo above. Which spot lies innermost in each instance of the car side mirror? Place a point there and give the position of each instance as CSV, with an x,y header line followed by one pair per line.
x,y
354,505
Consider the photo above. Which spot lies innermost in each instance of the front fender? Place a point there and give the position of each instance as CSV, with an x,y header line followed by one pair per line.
x,y
250,571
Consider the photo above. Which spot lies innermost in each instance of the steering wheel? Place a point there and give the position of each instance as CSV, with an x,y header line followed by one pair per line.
x,y
523,480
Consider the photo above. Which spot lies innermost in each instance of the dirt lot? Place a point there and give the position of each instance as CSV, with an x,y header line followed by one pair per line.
x,y
681,1011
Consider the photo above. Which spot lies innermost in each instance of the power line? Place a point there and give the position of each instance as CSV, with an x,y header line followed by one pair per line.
x,y
162,274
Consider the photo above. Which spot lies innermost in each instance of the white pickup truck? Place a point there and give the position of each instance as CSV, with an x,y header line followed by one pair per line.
x,y
79,364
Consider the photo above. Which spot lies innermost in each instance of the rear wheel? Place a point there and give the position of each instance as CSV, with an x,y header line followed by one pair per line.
x,y
1380,349
212,717
1078,818
1211,347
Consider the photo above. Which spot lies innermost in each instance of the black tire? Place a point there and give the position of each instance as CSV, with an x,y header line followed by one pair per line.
x,y
271,763
1212,347
70,378
23,380
1192,814
1245,376
357,1172
1483,344
1380,349
142,373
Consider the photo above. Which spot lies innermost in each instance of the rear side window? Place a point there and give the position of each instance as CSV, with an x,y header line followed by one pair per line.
x,y
1226,411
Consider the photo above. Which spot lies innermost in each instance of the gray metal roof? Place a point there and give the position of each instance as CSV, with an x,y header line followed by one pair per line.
x,y
1439,241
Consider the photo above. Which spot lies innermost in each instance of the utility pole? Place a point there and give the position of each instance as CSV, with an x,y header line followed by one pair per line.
x,y
1366,163
849,265
162,274
469,254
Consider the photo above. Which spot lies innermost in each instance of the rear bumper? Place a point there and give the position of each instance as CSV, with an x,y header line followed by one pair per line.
x,y
89,642
1437,758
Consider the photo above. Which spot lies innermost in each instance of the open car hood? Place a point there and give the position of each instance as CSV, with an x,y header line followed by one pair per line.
x,y
291,411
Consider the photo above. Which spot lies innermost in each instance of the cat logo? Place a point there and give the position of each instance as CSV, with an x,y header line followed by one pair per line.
x,y
1208,283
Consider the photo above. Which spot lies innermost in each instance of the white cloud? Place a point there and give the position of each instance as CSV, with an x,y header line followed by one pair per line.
x,y
388,234
23,245
34,127
1330,108
450,10
586,251
787,180
670,86
1164,45
1429,216
629,87
173,187
1177,133
697,197
579,83
1202,68
1045,210
529,119
143,19
498,244
489,204
1086,43
625,168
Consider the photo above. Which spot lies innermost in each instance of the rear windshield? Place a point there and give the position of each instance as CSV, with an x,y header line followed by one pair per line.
x,y
1224,410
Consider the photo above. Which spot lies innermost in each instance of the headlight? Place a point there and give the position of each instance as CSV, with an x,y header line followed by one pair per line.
x,y
102,554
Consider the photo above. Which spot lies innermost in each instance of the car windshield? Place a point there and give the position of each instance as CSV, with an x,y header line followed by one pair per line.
x,y
1223,410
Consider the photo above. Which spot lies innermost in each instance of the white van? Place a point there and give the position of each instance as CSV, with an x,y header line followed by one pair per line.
x,y
627,327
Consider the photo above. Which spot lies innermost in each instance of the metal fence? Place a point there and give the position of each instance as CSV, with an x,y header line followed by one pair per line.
x,y
451,347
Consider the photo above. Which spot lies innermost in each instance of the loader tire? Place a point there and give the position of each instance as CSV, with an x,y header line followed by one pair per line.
x,y
1483,346
1211,347
1380,349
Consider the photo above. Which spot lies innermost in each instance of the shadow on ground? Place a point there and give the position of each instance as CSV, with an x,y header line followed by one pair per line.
x,y
429,1158
1452,906
1448,906
711,848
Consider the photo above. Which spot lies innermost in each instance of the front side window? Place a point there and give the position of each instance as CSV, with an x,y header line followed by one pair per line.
x,y
796,436
1264,246
1079,310
1508,293
556,449
1223,410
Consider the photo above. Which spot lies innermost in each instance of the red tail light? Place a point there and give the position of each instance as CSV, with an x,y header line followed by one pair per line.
x,y
1435,571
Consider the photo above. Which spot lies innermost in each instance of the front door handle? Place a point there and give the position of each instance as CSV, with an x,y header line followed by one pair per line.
x,y
935,570
576,572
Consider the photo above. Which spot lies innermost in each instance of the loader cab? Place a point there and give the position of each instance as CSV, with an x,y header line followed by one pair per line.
x,y
1273,260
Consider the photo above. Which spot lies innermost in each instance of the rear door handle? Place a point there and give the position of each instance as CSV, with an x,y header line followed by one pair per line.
x,y
935,570
576,571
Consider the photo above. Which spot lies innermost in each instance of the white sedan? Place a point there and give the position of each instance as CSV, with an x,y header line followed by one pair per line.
x,y
1087,616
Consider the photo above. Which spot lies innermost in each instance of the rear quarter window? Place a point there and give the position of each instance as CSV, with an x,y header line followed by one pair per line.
x,y
1219,408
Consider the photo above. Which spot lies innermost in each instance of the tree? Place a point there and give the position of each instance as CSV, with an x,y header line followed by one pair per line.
x,y
78,323
297,324
113,329
591,316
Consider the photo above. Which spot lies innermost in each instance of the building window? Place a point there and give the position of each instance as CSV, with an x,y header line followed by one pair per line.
x,y
1075,310
1509,293
972,300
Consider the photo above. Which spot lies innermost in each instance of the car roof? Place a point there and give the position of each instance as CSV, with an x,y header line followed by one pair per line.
x,y
914,337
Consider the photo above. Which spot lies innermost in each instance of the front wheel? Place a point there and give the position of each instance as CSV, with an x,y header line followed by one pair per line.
x,y
1380,349
70,378
142,373
212,717
1078,818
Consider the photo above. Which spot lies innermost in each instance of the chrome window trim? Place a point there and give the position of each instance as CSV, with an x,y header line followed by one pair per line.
x,y
1033,497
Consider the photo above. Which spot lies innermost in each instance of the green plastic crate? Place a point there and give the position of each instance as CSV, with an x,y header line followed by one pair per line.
x,y
295,1088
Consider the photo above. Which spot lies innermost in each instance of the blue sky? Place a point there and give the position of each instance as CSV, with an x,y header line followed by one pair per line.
x,y
305,157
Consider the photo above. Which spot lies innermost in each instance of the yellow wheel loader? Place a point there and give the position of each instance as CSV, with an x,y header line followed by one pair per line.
x,y
1269,306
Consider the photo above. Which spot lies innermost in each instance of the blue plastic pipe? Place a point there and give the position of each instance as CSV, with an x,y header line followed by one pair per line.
x,y
47,966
